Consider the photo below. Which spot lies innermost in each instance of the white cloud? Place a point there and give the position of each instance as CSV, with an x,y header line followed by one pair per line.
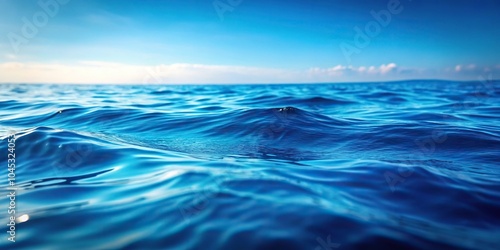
x,y
333,71
11,65
473,69
340,70
384,69
201,73
372,70
113,72
470,67
10,56
60,73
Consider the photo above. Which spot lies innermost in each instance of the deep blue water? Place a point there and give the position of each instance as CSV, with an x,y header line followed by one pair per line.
x,y
400,165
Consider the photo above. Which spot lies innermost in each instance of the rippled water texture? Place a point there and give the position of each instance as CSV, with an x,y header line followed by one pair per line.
x,y
411,165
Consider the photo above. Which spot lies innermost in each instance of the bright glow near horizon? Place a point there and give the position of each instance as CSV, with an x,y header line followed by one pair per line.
x,y
72,41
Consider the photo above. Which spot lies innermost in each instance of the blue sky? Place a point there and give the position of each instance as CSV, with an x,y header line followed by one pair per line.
x,y
243,41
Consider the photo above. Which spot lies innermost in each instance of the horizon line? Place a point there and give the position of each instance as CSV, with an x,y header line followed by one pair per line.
x,y
250,83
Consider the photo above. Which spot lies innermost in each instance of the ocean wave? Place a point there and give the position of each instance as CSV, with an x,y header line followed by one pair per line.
x,y
409,165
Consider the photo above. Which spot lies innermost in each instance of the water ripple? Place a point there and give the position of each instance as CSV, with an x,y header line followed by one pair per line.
x,y
404,165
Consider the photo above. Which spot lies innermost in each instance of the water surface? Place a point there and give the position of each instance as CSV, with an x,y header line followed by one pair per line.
x,y
411,165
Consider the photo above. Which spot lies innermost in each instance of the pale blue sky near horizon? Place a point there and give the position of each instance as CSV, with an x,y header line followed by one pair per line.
x,y
235,41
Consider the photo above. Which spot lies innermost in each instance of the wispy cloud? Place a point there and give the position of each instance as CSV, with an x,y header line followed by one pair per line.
x,y
61,73
474,70
201,73
340,70
384,69
113,72
10,56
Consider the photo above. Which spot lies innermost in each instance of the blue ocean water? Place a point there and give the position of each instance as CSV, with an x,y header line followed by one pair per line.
x,y
398,165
